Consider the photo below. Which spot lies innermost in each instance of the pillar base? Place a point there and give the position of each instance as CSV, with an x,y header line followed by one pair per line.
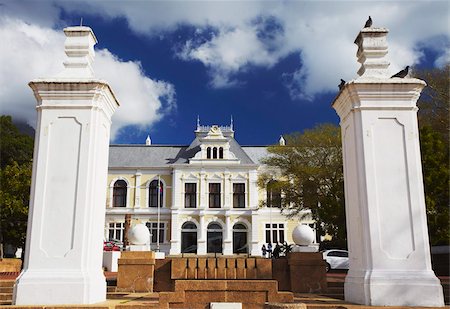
x,y
51,287
394,288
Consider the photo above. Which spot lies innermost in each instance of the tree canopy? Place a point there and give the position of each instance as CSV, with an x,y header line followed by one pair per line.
x,y
16,150
434,143
14,146
310,177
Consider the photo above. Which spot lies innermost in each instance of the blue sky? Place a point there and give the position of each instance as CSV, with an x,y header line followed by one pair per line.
x,y
273,66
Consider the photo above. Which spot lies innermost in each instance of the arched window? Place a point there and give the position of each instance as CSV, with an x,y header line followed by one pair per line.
x,y
120,194
240,244
220,153
189,237
214,238
215,153
153,194
208,153
273,194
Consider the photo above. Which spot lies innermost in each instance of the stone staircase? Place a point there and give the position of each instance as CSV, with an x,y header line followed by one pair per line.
x,y
6,292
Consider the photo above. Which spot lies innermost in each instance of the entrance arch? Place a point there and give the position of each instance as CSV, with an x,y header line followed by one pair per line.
x,y
189,237
240,240
214,237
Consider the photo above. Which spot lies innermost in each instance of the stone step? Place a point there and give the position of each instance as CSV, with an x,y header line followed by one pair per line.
x,y
110,289
7,283
139,306
335,289
5,296
6,289
335,284
5,302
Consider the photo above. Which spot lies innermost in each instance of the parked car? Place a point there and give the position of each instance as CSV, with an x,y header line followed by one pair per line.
x,y
336,259
112,245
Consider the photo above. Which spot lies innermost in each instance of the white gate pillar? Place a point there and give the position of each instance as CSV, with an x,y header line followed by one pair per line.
x,y
63,256
387,233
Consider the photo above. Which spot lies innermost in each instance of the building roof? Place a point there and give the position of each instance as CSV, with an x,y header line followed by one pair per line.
x,y
256,153
137,156
142,155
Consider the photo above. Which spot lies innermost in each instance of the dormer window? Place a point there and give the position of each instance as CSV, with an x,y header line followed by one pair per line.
x,y
215,153
220,153
208,153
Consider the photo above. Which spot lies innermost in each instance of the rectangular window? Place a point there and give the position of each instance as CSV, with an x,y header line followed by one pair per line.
x,y
190,195
214,195
239,195
116,231
274,233
153,229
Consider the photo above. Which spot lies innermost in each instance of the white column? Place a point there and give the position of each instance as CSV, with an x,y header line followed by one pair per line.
x,y
177,186
227,191
254,239
175,234
252,189
386,221
201,235
228,236
203,201
137,196
63,261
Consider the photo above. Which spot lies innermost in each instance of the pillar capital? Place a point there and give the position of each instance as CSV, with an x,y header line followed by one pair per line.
x,y
79,48
372,52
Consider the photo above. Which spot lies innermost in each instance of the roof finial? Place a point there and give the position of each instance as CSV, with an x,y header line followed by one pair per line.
x,y
198,122
148,141
282,141
231,122
81,22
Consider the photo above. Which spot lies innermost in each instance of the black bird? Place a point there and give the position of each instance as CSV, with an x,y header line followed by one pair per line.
x,y
341,85
402,73
368,23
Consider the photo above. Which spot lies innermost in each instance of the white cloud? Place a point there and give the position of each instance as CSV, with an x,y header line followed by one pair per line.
x,y
31,51
321,33
227,53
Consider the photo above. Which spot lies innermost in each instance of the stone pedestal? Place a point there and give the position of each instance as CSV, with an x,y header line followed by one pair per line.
x,y
307,272
386,220
63,256
136,271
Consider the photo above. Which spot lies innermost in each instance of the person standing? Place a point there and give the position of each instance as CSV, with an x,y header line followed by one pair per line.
x,y
264,250
276,251
269,250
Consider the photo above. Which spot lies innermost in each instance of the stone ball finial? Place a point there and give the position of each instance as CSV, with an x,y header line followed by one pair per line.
x,y
139,235
303,235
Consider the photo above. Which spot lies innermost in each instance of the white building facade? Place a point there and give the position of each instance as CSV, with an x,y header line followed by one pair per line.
x,y
209,200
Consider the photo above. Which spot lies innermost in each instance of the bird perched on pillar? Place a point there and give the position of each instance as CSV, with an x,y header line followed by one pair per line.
x,y
402,73
342,84
368,23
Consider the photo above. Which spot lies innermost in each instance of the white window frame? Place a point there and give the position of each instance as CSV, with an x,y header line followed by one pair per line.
x,y
111,192
165,229
147,193
115,228
277,228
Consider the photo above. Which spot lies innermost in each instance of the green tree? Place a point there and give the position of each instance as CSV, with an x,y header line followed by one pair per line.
x,y
15,182
16,151
434,129
435,162
14,146
434,101
310,176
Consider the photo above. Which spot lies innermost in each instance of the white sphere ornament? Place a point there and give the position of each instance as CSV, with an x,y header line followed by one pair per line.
x,y
139,235
303,235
